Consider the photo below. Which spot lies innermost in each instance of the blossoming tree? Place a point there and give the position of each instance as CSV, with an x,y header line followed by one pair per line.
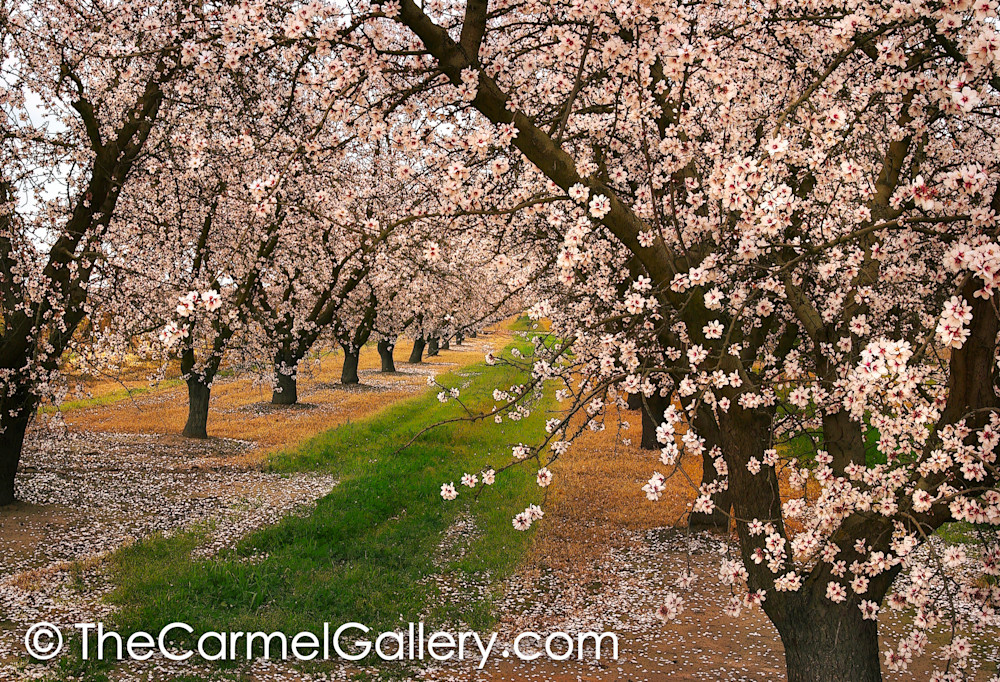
x,y
85,93
785,215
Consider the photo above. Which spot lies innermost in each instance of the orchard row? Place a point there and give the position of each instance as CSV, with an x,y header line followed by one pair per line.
x,y
772,225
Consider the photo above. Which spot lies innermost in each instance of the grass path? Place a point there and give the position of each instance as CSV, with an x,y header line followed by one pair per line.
x,y
380,546
120,473
369,548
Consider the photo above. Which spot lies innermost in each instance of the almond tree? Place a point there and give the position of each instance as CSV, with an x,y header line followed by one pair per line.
x,y
363,222
230,212
84,94
771,207
394,233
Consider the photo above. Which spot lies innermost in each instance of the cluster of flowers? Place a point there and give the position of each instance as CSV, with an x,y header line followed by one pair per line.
x,y
174,332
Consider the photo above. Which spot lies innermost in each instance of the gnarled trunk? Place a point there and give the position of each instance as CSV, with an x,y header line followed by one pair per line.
x,y
286,389
828,642
11,445
198,398
349,373
417,354
433,347
385,353
824,641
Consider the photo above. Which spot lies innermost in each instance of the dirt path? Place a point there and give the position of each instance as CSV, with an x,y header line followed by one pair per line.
x,y
119,472
241,410
602,559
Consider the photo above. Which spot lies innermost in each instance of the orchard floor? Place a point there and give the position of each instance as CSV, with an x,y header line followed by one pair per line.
x,y
109,472
601,560
97,477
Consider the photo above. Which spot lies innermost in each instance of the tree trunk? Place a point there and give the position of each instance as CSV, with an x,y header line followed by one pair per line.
x,y
11,445
651,409
286,392
433,347
198,397
385,352
473,335
417,354
706,427
349,374
635,401
828,642
459,339
446,343
718,520
744,434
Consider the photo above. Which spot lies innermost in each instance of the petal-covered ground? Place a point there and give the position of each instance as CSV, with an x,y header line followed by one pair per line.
x,y
118,472
602,559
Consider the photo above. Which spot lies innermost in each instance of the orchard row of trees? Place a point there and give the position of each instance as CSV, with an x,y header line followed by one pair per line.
x,y
333,252
772,226
176,185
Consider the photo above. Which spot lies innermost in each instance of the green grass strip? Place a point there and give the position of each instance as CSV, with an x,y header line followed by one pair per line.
x,y
367,551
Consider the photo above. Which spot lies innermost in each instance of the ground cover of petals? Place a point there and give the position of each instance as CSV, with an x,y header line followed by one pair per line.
x,y
110,475
604,562
601,561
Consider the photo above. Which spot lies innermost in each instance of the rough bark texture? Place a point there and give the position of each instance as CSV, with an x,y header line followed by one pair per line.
x,y
286,391
433,347
843,437
827,642
971,376
844,440
11,441
417,354
744,434
198,398
349,374
385,353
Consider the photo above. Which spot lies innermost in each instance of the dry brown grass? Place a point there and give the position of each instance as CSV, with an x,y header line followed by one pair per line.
x,y
241,410
599,493
38,578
